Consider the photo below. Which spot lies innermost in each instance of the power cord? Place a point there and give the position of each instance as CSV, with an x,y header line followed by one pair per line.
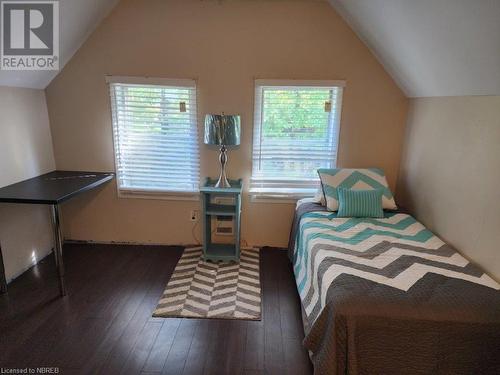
x,y
193,232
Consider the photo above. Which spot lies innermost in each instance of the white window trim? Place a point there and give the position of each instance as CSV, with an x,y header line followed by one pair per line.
x,y
288,198
160,195
152,81
289,195
145,193
299,83
292,194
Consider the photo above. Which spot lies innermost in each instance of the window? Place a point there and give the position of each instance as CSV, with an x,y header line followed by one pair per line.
x,y
296,132
155,135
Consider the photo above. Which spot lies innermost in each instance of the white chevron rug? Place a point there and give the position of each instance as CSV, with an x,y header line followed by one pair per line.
x,y
199,289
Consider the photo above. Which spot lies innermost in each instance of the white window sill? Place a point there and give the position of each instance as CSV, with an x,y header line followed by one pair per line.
x,y
267,195
160,195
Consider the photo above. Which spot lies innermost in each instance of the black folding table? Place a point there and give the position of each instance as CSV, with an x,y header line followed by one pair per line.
x,y
52,189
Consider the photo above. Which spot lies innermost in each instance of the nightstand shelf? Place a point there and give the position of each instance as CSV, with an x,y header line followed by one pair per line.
x,y
221,251
220,210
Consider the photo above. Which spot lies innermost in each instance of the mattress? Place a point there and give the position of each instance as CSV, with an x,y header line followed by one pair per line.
x,y
389,296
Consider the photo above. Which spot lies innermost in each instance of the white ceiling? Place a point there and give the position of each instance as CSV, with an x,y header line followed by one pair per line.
x,y
432,47
78,18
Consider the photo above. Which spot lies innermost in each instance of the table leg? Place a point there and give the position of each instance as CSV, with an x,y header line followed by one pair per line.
x,y
58,244
3,280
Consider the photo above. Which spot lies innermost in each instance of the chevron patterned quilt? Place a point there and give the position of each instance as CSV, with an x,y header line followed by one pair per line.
x,y
388,296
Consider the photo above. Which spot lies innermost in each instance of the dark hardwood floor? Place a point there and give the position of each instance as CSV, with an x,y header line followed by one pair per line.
x,y
104,325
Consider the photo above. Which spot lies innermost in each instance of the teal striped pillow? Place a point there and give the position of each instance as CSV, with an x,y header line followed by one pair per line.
x,y
360,203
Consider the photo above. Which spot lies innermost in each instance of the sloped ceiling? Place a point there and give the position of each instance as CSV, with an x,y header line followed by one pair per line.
x,y
78,19
432,47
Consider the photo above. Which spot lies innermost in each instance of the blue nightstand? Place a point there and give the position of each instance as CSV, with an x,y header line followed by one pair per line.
x,y
221,251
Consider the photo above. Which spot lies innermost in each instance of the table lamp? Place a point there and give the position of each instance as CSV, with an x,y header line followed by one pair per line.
x,y
222,130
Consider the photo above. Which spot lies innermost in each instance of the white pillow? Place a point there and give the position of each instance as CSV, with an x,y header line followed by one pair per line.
x,y
302,201
319,197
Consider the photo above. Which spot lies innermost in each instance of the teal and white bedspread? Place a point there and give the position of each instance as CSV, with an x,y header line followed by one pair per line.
x,y
384,277
396,251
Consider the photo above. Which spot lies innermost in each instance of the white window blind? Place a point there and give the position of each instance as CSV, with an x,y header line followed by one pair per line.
x,y
296,132
155,135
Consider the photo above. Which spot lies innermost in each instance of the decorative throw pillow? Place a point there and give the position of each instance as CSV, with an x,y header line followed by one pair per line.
x,y
355,179
360,203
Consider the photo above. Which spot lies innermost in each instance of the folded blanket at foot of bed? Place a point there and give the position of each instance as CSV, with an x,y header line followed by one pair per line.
x,y
386,296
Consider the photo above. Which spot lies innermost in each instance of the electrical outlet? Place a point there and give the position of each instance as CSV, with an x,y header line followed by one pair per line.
x,y
195,215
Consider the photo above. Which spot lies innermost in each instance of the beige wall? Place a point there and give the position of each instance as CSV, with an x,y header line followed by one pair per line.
x,y
25,152
450,173
225,46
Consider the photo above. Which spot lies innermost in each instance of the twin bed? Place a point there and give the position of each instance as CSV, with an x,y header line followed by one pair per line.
x,y
386,296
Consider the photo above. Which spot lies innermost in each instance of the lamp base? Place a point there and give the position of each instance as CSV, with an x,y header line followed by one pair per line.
x,y
223,182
